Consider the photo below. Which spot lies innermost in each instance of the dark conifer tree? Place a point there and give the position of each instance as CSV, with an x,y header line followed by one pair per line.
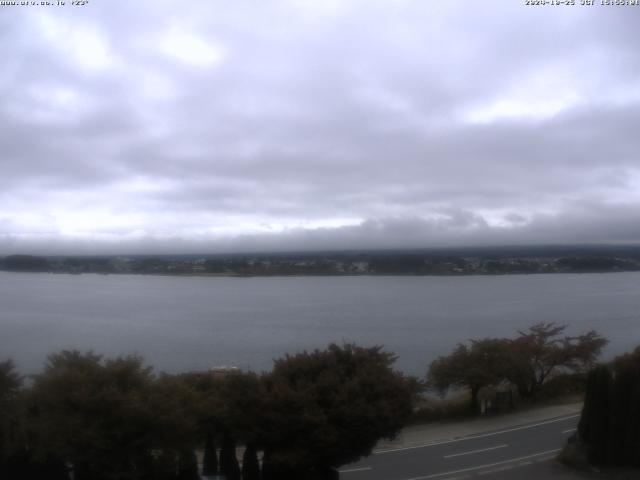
x,y
188,466
165,466
53,468
18,465
250,464
617,439
624,438
633,425
82,471
594,426
228,461
210,459
610,422
585,425
267,467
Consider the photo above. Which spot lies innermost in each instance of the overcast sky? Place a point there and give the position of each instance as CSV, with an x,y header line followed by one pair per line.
x,y
237,125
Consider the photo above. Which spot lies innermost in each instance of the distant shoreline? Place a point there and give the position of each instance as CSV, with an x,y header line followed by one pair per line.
x,y
446,262
316,275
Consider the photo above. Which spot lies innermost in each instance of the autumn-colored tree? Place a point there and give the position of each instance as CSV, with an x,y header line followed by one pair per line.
x,y
480,364
541,351
527,361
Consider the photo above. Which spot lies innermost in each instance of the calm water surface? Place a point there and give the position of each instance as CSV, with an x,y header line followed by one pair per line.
x,y
181,323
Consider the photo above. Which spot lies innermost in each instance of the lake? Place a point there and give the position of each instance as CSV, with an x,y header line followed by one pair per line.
x,y
184,323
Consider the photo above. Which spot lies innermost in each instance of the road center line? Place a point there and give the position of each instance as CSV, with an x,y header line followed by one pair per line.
x,y
473,437
475,451
487,465
349,470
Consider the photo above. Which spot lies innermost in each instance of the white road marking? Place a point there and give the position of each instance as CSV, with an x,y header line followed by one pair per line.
x,y
569,430
544,459
349,470
498,470
473,437
488,465
475,451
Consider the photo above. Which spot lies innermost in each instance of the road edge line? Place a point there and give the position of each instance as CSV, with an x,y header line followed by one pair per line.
x,y
470,469
474,436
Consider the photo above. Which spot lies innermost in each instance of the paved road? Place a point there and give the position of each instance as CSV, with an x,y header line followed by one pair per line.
x,y
485,455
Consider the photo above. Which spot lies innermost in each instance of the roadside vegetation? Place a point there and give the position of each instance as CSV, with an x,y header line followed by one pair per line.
x,y
87,417
537,364
113,418
609,430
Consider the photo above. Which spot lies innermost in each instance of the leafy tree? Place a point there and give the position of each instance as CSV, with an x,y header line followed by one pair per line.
x,y
208,400
10,384
541,351
327,408
242,400
108,418
174,406
527,361
232,404
92,414
482,363
10,380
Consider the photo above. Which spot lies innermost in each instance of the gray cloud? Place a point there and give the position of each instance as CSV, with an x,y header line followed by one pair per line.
x,y
278,125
